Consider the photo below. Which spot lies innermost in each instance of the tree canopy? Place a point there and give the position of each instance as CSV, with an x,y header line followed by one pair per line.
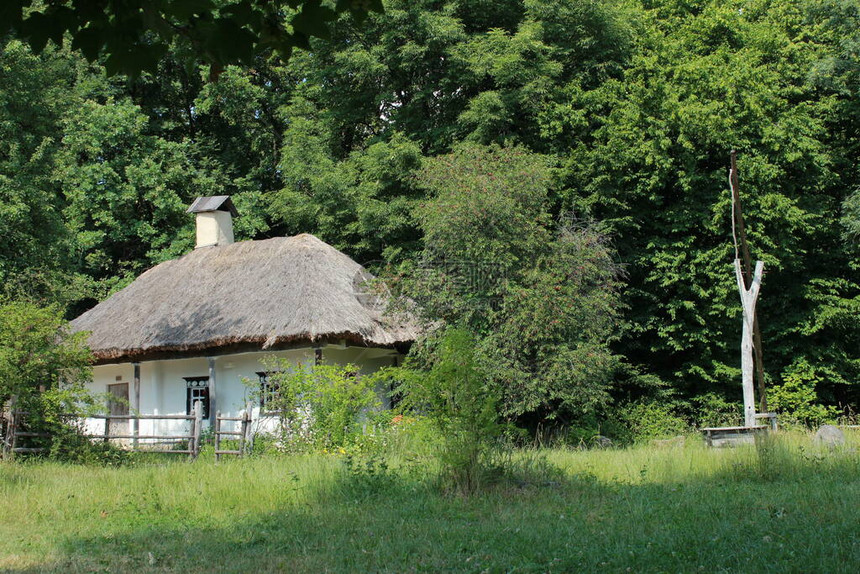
x,y
540,294
133,36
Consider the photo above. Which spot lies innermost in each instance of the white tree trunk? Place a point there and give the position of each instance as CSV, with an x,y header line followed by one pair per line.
x,y
748,301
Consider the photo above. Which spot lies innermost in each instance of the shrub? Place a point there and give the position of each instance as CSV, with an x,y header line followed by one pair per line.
x,y
713,410
318,407
44,366
649,419
457,398
796,400
59,412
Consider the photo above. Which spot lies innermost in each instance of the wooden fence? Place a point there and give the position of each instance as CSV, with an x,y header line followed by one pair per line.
x,y
243,435
15,429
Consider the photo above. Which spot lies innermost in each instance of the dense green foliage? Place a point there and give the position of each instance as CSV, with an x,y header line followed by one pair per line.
x,y
133,35
541,296
650,162
42,369
35,351
623,113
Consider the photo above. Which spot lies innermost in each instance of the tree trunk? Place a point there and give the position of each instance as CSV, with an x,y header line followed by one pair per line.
x,y
748,302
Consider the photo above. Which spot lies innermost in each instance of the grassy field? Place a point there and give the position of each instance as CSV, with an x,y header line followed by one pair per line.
x,y
788,507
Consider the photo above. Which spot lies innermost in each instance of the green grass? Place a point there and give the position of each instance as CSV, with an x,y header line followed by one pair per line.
x,y
788,508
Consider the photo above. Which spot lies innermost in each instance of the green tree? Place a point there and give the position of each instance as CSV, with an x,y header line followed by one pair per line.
x,y
418,78
35,246
125,190
650,160
94,186
36,350
540,295
361,204
442,72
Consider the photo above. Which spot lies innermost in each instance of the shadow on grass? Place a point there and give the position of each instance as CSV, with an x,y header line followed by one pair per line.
x,y
800,519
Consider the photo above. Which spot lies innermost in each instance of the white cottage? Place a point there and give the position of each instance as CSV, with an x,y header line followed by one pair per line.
x,y
190,329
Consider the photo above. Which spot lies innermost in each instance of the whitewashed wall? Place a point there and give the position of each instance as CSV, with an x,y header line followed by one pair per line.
x,y
163,387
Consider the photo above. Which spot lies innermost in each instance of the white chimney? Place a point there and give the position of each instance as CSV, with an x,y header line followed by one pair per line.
x,y
214,220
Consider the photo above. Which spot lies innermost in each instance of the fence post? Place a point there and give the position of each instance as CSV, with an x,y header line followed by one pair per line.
x,y
217,435
246,430
198,422
4,426
13,426
136,421
9,439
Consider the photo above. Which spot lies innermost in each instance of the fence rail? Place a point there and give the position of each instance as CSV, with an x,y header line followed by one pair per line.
x,y
142,417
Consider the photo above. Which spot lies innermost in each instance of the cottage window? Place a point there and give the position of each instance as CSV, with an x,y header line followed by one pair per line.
x,y
197,389
268,389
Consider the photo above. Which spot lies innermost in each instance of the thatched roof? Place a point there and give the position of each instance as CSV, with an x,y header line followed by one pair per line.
x,y
251,295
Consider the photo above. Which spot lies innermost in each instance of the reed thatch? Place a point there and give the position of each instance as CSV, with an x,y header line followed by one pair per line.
x,y
251,295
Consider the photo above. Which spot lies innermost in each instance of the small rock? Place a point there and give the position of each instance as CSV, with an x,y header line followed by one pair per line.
x,y
601,441
829,436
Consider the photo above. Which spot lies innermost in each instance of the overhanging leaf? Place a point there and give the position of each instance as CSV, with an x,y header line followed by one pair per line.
x,y
89,41
313,20
11,12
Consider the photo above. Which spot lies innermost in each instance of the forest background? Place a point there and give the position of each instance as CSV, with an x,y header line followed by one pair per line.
x,y
621,114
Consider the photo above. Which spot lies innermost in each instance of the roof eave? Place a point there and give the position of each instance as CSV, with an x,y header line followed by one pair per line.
x,y
214,349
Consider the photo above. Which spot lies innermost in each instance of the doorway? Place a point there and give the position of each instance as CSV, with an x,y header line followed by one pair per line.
x,y
118,405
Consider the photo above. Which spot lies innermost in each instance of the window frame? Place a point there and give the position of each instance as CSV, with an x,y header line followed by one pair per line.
x,y
194,384
268,391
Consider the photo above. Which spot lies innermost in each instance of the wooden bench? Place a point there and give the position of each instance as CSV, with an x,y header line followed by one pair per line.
x,y
732,436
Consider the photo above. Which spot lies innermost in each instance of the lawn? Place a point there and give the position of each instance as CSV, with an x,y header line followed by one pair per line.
x,y
788,507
